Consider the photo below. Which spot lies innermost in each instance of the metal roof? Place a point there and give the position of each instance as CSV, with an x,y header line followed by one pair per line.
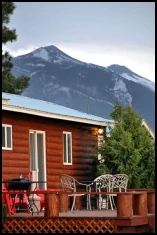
x,y
40,106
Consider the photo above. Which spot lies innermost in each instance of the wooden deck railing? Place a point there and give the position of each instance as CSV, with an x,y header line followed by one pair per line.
x,y
129,204
133,202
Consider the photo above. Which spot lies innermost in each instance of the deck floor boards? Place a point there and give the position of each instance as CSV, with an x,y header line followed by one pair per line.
x,y
78,213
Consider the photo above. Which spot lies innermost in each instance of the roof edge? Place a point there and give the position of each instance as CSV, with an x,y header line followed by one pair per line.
x,y
55,116
145,123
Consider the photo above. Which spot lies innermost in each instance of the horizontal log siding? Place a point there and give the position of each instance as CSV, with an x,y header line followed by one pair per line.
x,y
84,147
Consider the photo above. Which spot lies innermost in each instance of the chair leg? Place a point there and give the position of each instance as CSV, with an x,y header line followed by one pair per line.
x,y
87,205
89,199
113,202
73,203
110,198
100,198
107,201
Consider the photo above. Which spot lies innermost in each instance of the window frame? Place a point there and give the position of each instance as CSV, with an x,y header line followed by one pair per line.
x,y
7,148
66,133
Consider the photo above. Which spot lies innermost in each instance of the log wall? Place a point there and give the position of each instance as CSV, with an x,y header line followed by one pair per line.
x,y
84,147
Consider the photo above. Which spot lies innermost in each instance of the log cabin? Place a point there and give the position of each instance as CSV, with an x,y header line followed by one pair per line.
x,y
48,138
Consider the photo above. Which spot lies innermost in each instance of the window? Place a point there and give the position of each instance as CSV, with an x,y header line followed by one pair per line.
x,y
6,137
67,148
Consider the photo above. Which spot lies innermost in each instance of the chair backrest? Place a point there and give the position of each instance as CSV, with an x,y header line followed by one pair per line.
x,y
68,182
120,181
104,182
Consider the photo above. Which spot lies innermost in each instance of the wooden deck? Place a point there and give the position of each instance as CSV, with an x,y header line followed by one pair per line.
x,y
135,213
75,213
78,213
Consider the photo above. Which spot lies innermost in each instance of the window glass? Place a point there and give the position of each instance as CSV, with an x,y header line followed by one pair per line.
x,y
69,148
64,139
32,151
3,136
67,145
8,137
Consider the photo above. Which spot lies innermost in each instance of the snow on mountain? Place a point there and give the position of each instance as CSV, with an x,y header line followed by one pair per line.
x,y
41,53
60,59
54,55
121,92
57,77
140,80
129,75
37,65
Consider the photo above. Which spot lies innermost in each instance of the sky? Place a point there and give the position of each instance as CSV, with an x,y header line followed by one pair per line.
x,y
101,33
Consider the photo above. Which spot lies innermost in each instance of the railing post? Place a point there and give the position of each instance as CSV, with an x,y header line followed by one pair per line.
x,y
140,204
64,202
51,205
78,202
151,202
124,205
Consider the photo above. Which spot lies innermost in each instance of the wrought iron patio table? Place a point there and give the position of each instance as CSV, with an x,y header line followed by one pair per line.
x,y
88,185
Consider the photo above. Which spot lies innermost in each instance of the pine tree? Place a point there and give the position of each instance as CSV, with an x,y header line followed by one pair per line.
x,y
129,149
10,84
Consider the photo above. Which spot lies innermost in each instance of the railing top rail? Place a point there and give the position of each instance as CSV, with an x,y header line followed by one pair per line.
x,y
140,189
22,181
68,192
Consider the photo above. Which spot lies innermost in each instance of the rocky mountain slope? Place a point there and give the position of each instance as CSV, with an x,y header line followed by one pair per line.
x,y
59,78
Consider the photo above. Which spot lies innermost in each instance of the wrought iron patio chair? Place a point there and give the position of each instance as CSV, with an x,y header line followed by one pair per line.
x,y
103,184
69,184
119,184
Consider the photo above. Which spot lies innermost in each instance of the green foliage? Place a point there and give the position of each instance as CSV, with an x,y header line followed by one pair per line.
x,y
4,212
129,149
10,84
7,10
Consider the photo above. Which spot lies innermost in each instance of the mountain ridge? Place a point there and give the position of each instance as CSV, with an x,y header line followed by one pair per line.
x,y
60,78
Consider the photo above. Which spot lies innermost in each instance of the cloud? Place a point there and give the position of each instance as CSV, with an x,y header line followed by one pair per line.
x,y
20,51
139,60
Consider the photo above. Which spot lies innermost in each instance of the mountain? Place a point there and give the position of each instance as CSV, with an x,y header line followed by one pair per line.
x,y
59,78
129,75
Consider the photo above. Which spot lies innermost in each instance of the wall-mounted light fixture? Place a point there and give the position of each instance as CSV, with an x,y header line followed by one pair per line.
x,y
100,131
